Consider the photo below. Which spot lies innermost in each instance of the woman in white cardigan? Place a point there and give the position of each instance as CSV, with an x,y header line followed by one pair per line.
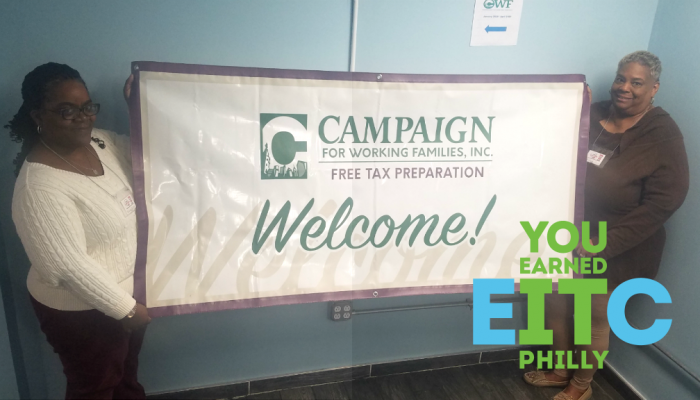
x,y
74,212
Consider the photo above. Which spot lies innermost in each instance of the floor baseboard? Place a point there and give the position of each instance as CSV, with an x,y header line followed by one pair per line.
x,y
618,383
313,378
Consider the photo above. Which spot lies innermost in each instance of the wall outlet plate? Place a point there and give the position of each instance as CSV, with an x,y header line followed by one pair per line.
x,y
340,310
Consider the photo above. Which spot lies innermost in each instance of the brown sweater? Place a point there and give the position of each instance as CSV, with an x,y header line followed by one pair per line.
x,y
643,184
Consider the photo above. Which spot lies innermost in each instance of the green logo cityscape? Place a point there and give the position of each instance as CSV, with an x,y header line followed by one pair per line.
x,y
284,149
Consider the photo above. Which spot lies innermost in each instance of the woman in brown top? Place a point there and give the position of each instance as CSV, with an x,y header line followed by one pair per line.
x,y
637,183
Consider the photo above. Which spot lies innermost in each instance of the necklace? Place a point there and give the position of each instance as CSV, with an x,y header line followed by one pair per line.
x,y
110,169
87,176
93,170
612,110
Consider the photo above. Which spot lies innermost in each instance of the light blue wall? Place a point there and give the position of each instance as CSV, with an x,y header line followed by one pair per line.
x,y
675,39
101,38
8,379
556,37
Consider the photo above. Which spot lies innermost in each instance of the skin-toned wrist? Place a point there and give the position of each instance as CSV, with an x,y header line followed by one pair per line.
x,y
585,253
139,319
127,88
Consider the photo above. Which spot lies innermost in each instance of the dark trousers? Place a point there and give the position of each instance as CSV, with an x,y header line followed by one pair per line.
x,y
100,359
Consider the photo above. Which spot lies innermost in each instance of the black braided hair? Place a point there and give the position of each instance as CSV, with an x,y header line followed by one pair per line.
x,y
35,87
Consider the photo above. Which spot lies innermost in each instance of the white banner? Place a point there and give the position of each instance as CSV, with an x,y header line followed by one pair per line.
x,y
269,187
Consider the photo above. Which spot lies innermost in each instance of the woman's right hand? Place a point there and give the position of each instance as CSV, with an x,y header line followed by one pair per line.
x,y
127,88
590,94
138,321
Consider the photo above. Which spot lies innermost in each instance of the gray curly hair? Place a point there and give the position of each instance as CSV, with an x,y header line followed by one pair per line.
x,y
644,58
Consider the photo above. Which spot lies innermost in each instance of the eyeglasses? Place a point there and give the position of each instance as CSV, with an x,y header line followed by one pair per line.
x,y
73,112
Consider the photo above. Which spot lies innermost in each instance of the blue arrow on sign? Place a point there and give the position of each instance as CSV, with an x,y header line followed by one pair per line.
x,y
495,29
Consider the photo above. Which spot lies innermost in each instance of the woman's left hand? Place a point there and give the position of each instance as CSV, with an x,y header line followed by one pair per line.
x,y
138,320
127,87
583,252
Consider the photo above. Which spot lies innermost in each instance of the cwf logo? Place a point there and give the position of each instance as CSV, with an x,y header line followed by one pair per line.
x,y
282,155
497,3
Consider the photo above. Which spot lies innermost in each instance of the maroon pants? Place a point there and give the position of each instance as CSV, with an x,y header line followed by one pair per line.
x,y
100,359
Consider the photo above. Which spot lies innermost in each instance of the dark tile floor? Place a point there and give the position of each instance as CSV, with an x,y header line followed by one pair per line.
x,y
493,381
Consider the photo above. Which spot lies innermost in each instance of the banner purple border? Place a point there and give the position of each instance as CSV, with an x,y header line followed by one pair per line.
x,y
138,187
139,182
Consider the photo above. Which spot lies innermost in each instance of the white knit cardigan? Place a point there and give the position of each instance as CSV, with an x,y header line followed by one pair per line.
x,y
81,245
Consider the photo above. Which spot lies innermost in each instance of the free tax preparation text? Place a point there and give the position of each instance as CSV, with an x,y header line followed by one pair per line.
x,y
447,172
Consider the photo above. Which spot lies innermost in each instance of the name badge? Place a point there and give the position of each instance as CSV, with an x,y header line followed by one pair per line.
x,y
126,200
595,158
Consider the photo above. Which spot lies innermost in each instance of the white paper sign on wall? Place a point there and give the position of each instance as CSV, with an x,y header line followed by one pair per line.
x,y
496,22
